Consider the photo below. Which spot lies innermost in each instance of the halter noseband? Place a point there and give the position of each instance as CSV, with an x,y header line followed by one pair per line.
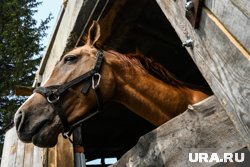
x,y
53,93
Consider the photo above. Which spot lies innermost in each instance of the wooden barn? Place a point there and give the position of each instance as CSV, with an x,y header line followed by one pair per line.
x,y
204,43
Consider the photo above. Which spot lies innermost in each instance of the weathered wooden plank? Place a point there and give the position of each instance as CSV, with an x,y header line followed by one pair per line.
x,y
235,16
39,157
51,157
223,62
61,155
203,128
65,154
9,149
28,155
230,71
20,154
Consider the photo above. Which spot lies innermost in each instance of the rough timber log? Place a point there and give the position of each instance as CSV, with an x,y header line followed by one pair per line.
x,y
203,127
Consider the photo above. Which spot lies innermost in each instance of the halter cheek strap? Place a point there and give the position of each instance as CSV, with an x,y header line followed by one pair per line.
x,y
55,102
53,94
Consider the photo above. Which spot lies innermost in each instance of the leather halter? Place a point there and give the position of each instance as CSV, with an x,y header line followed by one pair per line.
x,y
53,94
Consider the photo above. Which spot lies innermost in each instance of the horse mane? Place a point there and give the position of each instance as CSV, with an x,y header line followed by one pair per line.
x,y
159,71
155,69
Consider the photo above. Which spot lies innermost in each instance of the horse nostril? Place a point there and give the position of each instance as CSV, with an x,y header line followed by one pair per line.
x,y
19,119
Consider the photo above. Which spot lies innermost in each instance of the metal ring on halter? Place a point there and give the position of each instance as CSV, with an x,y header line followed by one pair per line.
x,y
66,135
53,98
95,85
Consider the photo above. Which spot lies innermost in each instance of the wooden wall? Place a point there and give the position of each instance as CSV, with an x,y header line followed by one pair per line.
x,y
221,52
18,154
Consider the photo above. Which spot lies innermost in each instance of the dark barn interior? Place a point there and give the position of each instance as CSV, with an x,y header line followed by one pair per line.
x,y
127,25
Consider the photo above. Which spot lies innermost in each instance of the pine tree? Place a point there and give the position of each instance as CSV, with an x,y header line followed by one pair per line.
x,y
20,49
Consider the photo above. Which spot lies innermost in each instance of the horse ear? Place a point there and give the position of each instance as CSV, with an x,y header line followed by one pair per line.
x,y
94,34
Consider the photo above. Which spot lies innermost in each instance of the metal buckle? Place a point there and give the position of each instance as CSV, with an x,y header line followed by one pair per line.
x,y
66,135
53,98
95,85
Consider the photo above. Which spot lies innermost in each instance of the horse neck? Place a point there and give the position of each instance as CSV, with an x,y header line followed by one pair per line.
x,y
148,96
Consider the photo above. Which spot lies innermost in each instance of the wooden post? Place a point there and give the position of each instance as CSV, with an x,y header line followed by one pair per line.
x,y
79,157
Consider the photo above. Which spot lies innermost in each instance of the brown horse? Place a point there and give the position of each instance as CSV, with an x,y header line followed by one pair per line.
x,y
140,84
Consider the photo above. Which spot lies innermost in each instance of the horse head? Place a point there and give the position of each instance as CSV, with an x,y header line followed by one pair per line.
x,y
70,94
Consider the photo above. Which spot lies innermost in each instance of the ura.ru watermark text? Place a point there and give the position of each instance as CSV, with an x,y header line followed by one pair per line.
x,y
214,157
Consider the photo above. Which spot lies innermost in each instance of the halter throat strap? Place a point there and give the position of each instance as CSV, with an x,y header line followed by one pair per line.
x,y
53,94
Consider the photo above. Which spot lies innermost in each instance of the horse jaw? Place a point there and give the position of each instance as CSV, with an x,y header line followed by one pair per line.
x,y
48,136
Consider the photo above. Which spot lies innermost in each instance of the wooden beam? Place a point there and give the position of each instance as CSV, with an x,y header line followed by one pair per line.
x,y
235,16
203,128
23,90
228,34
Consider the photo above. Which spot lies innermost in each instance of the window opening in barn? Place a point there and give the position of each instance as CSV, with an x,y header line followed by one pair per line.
x,y
127,26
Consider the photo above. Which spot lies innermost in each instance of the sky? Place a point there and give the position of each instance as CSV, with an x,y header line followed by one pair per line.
x,y
47,7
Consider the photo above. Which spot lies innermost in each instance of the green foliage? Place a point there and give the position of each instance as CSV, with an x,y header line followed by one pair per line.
x,y
20,46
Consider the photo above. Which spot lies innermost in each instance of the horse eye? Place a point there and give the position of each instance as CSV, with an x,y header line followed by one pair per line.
x,y
70,59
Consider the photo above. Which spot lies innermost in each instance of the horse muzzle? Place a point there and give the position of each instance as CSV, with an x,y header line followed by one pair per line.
x,y
19,121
